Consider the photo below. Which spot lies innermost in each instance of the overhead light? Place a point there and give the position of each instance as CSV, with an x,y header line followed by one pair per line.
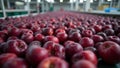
x,y
91,1
38,1
19,3
72,1
27,0
81,1
61,0
51,1
108,0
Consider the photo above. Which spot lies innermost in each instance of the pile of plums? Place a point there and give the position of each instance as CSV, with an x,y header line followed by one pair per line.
x,y
59,39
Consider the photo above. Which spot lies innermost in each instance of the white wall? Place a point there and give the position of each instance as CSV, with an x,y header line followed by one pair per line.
x,y
65,6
